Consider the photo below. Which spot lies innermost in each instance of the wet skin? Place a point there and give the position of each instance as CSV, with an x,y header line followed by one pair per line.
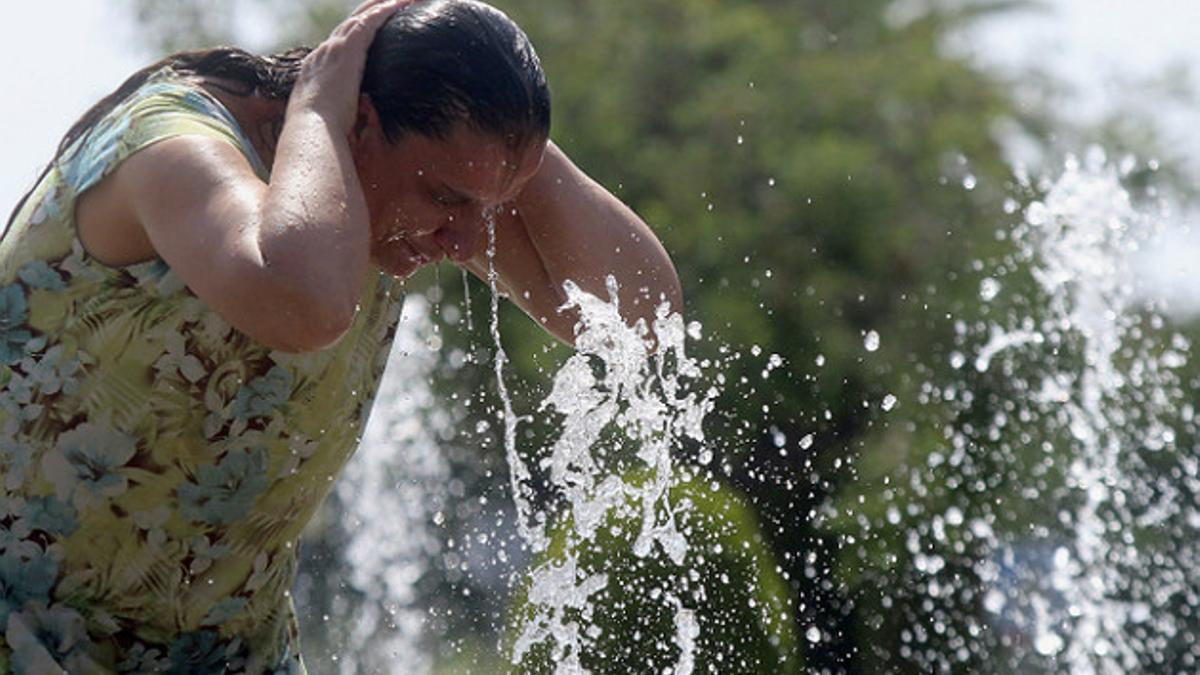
x,y
427,196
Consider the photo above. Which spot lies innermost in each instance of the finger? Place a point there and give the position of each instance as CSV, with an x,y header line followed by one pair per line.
x,y
362,7
374,4
369,22
368,9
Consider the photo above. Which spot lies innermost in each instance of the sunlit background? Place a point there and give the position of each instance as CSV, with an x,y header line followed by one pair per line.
x,y
908,288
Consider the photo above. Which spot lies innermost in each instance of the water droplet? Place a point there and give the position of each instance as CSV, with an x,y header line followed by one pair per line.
x,y
813,634
1048,644
1128,164
871,341
1037,214
954,516
888,403
969,182
1096,158
994,601
989,288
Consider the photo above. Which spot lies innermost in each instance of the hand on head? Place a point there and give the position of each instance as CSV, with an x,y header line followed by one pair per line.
x,y
331,75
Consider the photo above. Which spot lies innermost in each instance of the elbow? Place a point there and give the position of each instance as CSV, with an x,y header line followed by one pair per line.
x,y
645,302
315,314
317,331
300,324
673,291
665,290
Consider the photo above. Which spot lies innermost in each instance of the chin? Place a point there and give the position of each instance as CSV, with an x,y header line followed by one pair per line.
x,y
399,267
405,271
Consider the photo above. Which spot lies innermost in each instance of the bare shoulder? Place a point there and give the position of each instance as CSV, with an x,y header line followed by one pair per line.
x,y
170,177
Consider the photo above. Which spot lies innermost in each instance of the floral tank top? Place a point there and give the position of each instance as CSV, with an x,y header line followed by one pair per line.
x,y
157,466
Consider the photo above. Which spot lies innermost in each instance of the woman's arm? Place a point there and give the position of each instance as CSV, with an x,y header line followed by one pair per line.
x,y
565,226
285,262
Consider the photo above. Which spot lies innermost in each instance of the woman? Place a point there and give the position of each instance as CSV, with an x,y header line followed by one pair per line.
x,y
197,299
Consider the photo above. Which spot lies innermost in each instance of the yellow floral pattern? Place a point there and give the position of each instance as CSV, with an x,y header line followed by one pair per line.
x,y
157,465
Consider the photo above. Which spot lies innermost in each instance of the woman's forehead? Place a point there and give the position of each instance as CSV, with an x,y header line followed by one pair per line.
x,y
476,164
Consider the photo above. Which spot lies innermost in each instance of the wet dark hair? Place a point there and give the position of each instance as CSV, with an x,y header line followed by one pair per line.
x,y
433,64
437,63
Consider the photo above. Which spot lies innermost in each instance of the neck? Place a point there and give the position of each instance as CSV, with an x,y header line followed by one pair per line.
x,y
266,137
261,119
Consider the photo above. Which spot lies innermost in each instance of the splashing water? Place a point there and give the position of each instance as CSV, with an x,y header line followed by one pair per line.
x,y
1107,393
650,404
1050,524
389,492
519,474
1085,232
466,280
612,382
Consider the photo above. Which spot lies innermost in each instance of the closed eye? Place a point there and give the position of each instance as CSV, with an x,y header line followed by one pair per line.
x,y
449,197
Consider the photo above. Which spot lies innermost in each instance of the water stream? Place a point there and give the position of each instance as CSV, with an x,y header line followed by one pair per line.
x,y
613,383
1067,524
1120,403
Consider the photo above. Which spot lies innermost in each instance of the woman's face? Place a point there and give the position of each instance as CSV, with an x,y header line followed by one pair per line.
x,y
427,197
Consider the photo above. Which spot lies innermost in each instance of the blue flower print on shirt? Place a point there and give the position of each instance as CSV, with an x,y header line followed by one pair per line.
x,y
15,458
10,540
38,274
224,493
47,514
199,653
263,395
14,312
49,208
156,277
224,611
96,152
85,467
44,640
55,371
25,577
142,659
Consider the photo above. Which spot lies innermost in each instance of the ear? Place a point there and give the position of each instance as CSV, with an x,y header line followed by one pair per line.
x,y
366,123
